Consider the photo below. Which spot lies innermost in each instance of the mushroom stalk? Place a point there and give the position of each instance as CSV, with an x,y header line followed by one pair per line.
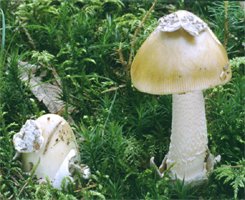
x,y
189,140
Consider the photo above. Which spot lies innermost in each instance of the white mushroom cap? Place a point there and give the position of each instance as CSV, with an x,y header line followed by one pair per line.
x,y
50,148
181,55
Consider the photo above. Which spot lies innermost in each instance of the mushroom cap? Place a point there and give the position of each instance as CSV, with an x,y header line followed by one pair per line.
x,y
181,55
59,140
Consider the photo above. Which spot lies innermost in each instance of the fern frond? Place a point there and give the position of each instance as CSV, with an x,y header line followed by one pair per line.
x,y
232,175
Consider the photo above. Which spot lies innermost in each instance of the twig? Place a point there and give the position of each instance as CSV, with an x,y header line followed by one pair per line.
x,y
56,76
133,41
226,24
86,188
234,166
113,88
121,56
136,32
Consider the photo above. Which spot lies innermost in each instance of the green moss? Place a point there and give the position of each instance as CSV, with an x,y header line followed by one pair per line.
x,y
88,44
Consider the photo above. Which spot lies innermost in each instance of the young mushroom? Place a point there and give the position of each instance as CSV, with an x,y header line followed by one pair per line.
x,y
48,146
182,57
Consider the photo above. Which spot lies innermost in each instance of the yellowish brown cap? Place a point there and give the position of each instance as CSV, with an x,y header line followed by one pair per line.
x,y
181,55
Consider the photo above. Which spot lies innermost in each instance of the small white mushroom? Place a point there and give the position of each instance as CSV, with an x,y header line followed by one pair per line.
x,y
49,143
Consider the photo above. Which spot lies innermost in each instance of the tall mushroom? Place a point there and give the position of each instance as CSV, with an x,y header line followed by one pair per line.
x,y
182,57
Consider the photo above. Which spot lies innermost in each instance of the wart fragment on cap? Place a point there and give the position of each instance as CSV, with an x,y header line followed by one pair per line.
x,y
29,139
182,19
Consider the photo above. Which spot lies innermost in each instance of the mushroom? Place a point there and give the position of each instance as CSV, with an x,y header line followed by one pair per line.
x,y
182,57
47,145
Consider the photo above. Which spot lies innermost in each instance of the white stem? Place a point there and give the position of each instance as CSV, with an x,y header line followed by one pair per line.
x,y
189,140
